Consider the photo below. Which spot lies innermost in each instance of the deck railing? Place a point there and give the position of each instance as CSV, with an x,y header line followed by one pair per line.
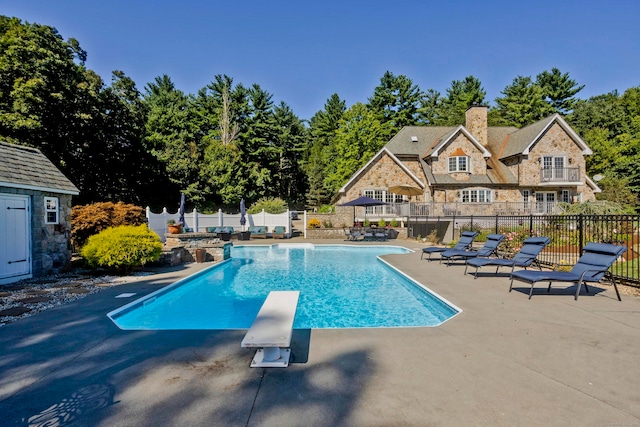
x,y
560,175
404,210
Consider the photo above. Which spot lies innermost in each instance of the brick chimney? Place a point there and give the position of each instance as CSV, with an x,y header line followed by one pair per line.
x,y
476,118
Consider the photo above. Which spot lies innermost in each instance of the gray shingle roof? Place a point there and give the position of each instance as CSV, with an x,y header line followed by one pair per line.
x,y
26,167
427,136
520,139
502,142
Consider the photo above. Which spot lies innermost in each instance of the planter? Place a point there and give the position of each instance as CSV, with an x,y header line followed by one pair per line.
x,y
174,228
244,235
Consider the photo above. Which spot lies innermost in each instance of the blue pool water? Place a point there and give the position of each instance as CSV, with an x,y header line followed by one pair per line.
x,y
340,287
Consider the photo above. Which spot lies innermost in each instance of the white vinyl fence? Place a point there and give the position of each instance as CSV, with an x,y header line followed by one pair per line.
x,y
198,222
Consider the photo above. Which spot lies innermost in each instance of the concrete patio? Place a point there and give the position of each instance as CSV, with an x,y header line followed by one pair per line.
x,y
505,360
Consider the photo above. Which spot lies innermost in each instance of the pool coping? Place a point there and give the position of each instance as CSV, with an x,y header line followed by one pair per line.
x,y
141,301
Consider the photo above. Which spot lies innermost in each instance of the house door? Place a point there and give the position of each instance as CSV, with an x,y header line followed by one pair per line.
x,y
15,252
545,202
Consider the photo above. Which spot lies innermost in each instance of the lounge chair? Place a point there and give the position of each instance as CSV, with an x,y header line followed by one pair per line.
x,y
278,232
592,266
466,239
526,256
259,232
490,248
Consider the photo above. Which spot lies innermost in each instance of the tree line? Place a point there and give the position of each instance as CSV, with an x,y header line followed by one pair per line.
x,y
230,140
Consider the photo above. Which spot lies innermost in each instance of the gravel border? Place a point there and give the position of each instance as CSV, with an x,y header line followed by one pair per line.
x,y
36,295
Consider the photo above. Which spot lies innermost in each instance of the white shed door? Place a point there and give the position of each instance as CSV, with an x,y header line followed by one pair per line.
x,y
15,259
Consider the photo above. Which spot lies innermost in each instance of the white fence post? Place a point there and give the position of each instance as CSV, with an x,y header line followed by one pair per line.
x,y
304,225
195,220
220,218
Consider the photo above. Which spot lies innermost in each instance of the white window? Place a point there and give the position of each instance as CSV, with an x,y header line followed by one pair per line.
x,y
565,196
459,164
476,196
51,210
553,167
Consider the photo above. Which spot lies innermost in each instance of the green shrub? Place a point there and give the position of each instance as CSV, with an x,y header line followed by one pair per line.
x,y
327,224
272,205
382,223
88,220
122,248
394,223
367,223
325,209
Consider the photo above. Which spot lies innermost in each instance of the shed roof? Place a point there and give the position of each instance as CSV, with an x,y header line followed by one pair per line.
x,y
27,168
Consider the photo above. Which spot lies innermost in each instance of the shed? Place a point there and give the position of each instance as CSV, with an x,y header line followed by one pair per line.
x,y
35,212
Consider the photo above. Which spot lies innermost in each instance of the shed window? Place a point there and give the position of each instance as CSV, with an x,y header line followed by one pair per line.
x,y
51,210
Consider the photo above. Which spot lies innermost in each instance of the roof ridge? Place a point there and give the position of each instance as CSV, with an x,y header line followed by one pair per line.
x,y
20,147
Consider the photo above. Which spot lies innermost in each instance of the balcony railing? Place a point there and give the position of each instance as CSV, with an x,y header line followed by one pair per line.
x,y
405,210
559,175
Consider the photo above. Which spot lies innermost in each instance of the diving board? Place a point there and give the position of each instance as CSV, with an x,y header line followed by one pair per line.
x,y
272,329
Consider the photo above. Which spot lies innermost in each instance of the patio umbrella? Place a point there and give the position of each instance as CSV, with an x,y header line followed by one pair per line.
x,y
181,210
243,212
363,201
406,190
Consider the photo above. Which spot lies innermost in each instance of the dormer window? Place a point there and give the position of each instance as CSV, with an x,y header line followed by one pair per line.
x,y
459,164
459,161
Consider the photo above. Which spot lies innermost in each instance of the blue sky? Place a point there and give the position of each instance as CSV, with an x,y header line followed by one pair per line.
x,y
303,52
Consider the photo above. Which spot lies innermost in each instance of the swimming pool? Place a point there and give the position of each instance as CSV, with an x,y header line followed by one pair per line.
x,y
340,287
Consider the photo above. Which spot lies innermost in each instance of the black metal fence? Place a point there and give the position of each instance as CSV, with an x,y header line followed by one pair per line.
x,y
568,234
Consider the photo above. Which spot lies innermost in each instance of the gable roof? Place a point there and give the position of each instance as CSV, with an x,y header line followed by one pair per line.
x,y
384,150
27,168
522,140
435,150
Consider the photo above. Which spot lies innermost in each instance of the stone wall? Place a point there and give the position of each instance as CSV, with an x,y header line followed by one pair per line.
x,y
182,247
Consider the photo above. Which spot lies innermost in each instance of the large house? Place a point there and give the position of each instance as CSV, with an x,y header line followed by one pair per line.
x,y
476,169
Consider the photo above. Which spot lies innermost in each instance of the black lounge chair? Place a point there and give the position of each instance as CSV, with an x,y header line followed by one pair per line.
x,y
466,239
592,266
526,256
489,249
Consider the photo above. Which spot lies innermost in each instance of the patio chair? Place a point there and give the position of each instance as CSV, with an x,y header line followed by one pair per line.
x,y
592,266
526,256
368,234
489,249
466,239
278,232
381,234
352,233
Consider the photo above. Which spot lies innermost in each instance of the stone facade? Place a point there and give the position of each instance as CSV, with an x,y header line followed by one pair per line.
x,y
460,146
50,243
476,123
179,248
381,173
509,179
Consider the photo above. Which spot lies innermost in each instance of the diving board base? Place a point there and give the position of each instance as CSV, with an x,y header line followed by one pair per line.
x,y
264,357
